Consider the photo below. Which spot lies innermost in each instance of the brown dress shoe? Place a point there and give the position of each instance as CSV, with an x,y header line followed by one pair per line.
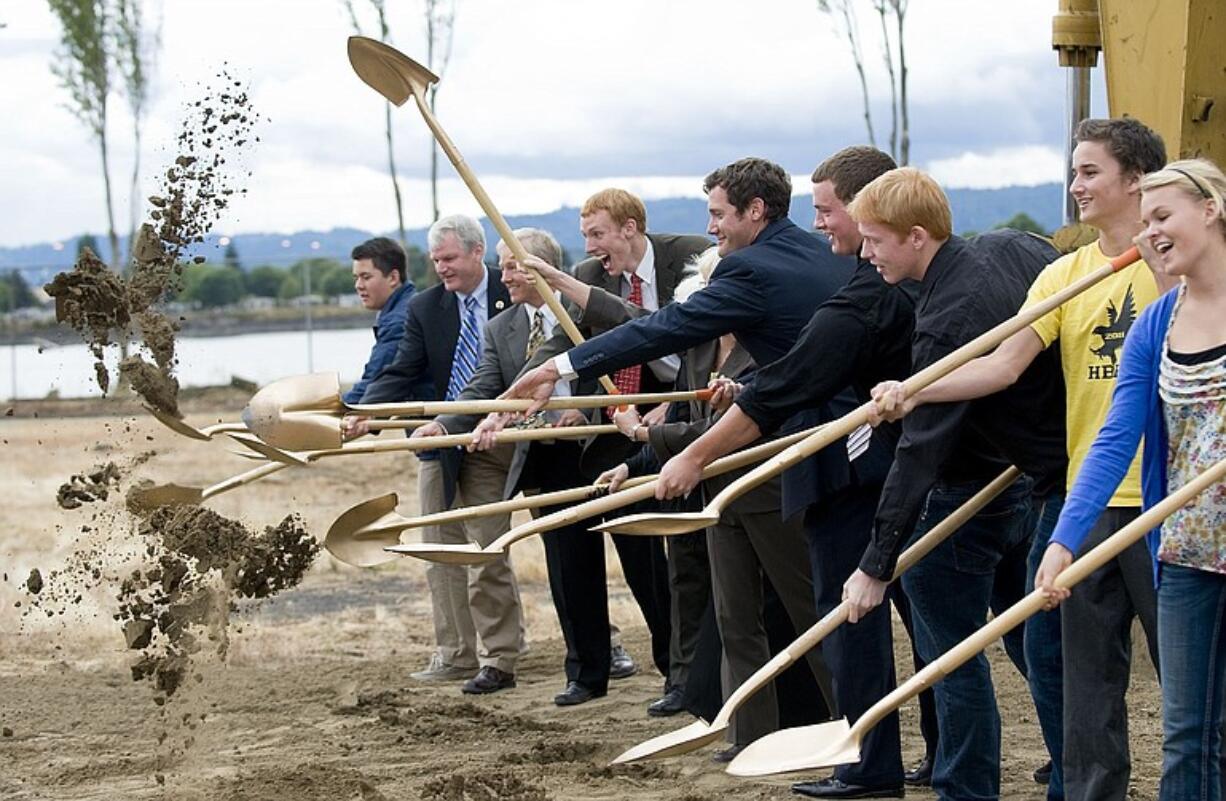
x,y
489,679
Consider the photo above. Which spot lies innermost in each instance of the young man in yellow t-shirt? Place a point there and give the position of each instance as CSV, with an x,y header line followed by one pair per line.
x,y
1081,706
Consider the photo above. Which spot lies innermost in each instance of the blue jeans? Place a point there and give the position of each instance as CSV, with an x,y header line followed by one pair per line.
x,y
1044,661
1191,612
951,591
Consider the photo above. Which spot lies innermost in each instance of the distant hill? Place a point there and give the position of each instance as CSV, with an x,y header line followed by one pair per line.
x,y
973,210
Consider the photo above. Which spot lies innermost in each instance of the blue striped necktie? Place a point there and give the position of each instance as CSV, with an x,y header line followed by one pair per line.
x,y
467,349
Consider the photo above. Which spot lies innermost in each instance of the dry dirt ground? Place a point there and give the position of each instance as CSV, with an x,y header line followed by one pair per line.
x,y
313,700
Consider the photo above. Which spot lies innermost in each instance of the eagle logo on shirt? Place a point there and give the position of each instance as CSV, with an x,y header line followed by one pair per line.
x,y
1119,320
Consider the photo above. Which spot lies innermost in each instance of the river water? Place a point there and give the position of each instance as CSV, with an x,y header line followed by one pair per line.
x,y
205,361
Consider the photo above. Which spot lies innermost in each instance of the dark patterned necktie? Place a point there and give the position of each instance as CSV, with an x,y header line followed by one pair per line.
x,y
536,336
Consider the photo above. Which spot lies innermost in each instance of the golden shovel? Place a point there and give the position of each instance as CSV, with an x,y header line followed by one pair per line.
x,y
680,523
304,412
181,427
150,498
836,743
398,77
700,733
471,554
421,443
360,536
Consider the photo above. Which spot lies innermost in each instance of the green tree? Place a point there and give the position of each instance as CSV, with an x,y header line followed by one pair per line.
x,y
336,283
19,290
265,281
319,267
1024,222
220,286
6,298
421,271
231,256
291,287
87,241
83,67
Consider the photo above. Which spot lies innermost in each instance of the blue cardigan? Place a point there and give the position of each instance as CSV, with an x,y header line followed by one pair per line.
x,y
1136,409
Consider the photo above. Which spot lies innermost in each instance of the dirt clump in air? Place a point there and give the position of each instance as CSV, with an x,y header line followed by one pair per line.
x,y
93,485
201,564
106,308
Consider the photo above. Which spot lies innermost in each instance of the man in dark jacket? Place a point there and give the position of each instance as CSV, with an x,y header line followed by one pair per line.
x,y
381,281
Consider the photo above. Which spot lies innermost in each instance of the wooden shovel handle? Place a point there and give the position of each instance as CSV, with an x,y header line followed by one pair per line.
x,y
254,474
838,616
500,224
1003,623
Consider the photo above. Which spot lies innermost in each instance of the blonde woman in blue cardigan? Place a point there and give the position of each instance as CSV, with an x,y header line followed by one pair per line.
x,y
1172,391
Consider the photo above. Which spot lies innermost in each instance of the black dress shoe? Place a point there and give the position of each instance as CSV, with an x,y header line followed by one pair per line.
x,y
621,664
1042,774
575,693
489,679
727,755
920,775
668,704
835,788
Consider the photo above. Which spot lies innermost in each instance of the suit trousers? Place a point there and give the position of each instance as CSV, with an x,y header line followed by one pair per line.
x,y
454,632
477,612
742,546
689,578
575,558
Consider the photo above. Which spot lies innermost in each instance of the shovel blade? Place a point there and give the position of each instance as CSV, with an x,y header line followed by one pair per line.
x,y
176,425
269,452
802,748
467,554
353,537
674,743
150,498
650,524
388,71
298,413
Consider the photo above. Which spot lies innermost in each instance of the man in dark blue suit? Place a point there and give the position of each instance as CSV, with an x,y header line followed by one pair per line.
x,y
438,354
772,277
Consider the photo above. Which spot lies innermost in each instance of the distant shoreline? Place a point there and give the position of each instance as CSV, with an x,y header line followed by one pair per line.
x,y
202,325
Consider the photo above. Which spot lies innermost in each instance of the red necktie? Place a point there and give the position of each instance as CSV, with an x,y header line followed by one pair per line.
x,y
628,380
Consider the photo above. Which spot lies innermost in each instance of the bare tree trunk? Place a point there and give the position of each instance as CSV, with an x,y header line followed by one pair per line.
x,y
887,51
134,192
112,236
850,29
904,144
430,95
391,168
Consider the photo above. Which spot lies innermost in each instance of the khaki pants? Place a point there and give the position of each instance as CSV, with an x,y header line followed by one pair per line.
x,y
477,613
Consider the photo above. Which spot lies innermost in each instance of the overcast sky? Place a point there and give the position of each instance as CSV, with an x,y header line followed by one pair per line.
x,y
548,100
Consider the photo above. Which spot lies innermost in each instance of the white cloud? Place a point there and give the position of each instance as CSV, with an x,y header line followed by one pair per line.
x,y
1016,166
546,100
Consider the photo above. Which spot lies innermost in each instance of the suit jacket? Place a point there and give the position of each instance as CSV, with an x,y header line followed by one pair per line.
x,y
502,359
606,308
423,359
765,294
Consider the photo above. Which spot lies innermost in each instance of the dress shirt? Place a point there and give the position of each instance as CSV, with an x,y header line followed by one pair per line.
x,y
482,294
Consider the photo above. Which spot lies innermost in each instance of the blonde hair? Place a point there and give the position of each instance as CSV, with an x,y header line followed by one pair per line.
x,y
697,273
901,199
621,206
1199,179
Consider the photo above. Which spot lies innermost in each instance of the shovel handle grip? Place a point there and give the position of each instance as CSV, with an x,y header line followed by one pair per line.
x,y
1133,254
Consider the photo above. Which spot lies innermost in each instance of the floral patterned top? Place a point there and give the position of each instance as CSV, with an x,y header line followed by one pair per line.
x,y
1193,391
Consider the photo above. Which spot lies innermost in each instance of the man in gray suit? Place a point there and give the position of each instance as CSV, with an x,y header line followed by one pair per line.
x,y
510,340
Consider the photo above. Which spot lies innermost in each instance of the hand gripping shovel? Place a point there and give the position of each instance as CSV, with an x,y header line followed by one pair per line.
x,y
836,743
303,412
398,77
174,494
680,523
471,554
700,733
